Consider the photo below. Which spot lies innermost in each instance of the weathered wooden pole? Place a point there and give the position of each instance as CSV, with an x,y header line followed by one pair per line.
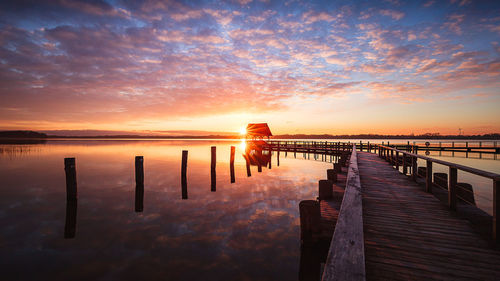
x,y
139,170
452,189
428,177
184,174
331,175
310,219
70,169
278,158
231,165
70,224
325,189
337,167
405,165
213,164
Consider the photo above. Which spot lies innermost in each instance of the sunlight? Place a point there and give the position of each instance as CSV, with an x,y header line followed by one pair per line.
x,y
243,131
243,145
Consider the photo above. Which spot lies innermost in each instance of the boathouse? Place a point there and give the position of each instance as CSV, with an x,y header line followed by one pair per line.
x,y
258,130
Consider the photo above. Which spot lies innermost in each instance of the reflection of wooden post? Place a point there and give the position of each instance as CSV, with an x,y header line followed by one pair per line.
x,y
70,225
270,159
331,175
213,183
231,165
184,174
278,158
139,198
310,219
70,169
325,189
247,161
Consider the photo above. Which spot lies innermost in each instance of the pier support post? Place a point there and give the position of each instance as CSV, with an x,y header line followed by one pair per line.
x,y
325,189
331,175
70,169
184,174
337,167
428,176
310,219
452,192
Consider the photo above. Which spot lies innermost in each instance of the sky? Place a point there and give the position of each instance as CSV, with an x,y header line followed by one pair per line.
x,y
309,67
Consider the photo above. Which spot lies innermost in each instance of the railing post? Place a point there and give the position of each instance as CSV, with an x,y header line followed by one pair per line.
x,y
414,168
496,209
452,189
397,160
405,166
428,177
392,157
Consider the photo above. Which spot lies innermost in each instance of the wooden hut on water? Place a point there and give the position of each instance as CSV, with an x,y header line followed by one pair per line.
x,y
258,130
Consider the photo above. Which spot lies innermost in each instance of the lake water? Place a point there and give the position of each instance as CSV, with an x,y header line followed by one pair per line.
x,y
246,230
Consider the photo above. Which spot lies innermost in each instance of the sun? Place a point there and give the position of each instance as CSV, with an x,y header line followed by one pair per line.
x,y
243,131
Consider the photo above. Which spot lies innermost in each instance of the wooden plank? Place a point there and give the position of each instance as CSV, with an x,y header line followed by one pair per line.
x,y
346,257
410,235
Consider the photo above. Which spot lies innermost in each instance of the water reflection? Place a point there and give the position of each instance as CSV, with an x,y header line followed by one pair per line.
x,y
70,225
248,230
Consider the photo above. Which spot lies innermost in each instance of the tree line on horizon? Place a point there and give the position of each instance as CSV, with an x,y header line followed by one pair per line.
x,y
33,134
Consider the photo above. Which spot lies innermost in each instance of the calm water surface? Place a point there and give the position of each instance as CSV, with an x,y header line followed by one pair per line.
x,y
247,230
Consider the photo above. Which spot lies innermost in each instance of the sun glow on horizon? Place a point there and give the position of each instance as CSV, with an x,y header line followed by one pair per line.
x,y
243,131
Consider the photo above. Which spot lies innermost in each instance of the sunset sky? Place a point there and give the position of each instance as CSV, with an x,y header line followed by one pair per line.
x,y
337,67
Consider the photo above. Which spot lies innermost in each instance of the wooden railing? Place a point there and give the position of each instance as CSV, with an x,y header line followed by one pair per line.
x,y
409,161
346,256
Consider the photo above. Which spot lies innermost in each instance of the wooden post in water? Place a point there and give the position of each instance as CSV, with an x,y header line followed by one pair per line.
x,y
428,176
213,173
496,210
70,169
452,189
139,183
331,175
184,174
278,158
231,164
325,189
337,167
310,219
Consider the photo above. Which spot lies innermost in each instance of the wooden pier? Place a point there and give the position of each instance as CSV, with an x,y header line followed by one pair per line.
x,y
410,235
394,223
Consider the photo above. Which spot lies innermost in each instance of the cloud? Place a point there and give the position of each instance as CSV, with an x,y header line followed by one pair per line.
x,y
396,15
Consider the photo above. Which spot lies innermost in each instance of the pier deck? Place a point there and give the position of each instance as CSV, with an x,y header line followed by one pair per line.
x,y
410,235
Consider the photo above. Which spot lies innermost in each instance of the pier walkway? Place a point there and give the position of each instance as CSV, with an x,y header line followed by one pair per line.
x,y
410,235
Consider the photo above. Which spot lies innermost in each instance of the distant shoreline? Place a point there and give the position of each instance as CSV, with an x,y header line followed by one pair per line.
x,y
41,136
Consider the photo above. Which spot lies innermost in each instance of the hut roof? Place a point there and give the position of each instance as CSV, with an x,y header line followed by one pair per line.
x,y
258,129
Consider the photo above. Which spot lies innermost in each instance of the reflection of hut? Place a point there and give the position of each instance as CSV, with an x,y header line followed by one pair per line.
x,y
256,156
258,130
